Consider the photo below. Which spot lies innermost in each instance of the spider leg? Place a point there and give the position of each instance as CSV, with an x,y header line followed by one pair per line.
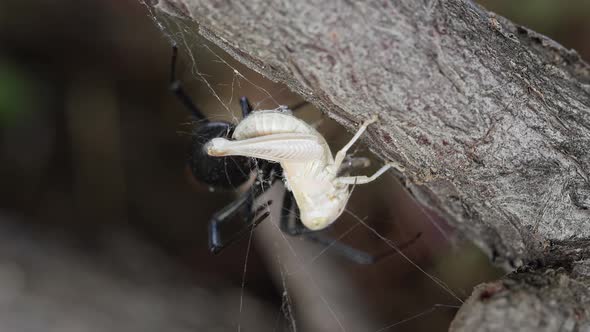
x,y
352,254
298,106
351,163
243,203
246,107
356,255
225,215
289,222
176,88
291,225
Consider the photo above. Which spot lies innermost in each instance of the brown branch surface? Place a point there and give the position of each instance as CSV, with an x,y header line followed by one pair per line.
x,y
490,120
544,300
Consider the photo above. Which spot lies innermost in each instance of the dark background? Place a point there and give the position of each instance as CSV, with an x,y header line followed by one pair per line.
x,y
99,216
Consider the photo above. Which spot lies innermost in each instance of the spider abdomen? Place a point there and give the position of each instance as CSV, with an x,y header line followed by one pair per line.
x,y
228,172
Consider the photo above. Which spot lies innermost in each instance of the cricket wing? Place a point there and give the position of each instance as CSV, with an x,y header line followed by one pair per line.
x,y
288,147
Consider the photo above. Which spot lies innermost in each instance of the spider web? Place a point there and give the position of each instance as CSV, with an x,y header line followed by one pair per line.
x,y
297,269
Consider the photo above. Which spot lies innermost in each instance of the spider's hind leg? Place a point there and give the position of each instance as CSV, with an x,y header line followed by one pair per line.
x,y
291,224
227,214
352,163
176,88
356,255
244,205
245,106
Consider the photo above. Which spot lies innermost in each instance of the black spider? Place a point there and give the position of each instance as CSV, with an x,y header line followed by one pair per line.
x,y
232,171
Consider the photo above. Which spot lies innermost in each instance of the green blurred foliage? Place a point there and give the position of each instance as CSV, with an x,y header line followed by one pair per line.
x,y
16,87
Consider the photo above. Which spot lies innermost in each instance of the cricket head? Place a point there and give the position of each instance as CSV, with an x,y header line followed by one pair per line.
x,y
320,212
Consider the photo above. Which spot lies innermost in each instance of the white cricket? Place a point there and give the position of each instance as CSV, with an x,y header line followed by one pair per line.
x,y
310,170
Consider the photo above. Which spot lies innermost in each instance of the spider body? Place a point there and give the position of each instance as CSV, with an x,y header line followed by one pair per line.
x,y
223,173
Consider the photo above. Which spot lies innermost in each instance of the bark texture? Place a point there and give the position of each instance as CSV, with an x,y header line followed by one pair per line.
x,y
490,119
536,301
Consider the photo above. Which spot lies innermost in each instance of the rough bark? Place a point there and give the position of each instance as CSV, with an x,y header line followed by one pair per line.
x,y
490,119
536,301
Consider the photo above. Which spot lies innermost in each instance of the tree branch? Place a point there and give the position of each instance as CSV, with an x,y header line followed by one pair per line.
x,y
531,301
490,119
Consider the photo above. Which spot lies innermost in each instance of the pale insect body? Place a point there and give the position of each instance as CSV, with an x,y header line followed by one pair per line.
x,y
309,168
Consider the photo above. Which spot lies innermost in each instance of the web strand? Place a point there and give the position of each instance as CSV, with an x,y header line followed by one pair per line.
x,y
401,253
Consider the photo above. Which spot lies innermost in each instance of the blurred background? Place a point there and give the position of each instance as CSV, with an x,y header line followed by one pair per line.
x,y
102,228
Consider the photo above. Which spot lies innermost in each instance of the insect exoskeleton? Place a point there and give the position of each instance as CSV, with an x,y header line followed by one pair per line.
x,y
309,168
